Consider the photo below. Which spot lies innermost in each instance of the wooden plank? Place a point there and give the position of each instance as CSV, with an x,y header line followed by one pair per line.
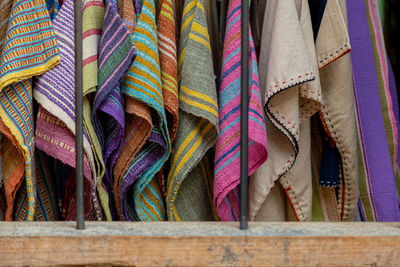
x,y
189,244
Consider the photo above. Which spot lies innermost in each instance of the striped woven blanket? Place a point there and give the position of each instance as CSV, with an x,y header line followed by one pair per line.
x,y
377,114
168,64
227,160
55,92
29,49
140,195
189,188
116,54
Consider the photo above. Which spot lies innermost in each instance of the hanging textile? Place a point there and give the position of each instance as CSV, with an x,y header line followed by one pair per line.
x,y
378,127
22,58
140,197
138,122
92,24
336,168
168,63
227,160
189,186
55,92
46,208
289,81
116,54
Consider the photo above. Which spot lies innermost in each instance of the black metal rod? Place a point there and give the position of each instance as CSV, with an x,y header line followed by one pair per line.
x,y
80,205
244,117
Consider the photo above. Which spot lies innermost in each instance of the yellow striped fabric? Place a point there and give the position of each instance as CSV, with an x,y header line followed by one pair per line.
x,y
187,190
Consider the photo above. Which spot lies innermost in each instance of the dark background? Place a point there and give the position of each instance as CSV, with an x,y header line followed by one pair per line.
x,y
390,11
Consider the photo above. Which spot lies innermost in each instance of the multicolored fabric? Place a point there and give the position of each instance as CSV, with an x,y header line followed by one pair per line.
x,y
92,24
143,83
46,202
53,6
138,122
116,54
5,7
378,127
29,49
55,92
168,63
188,197
227,160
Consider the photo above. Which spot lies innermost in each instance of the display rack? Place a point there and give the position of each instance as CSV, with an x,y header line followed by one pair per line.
x,y
197,243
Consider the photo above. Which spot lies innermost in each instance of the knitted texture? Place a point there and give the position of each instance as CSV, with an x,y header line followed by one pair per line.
x,y
227,160
198,119
29,49
143,83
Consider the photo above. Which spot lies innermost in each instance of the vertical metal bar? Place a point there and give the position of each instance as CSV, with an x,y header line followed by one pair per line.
x,y
244,115
80,219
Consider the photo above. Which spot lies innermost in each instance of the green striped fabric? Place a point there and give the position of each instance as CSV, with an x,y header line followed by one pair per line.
x,y
188,193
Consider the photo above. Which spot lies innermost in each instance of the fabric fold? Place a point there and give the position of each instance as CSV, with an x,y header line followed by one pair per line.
x,y
29,49
169,71
289,81
140,196
227,160
55,92
92,24
337,115
188,194
376,125
116,54
138,122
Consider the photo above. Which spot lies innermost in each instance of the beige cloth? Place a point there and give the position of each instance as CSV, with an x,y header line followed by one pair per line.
x,y
337,110
289,75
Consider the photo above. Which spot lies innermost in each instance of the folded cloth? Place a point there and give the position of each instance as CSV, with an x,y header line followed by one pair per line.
x,y
168,63
116,54
138,122
29,49
47,208
289,81
92,23
227,160
55,92
140,196
375,106
189,196
338,184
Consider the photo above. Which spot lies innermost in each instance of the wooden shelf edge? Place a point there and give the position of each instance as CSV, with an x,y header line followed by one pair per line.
x,y
205,243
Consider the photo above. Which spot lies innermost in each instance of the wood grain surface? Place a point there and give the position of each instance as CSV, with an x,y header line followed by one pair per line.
x,y
194,244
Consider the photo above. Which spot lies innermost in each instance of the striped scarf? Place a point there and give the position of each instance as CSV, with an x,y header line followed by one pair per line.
x,y
23,57
138,122
168,63
54,91
227,161
143,200
377,112
116,54
46,208
198,119
92,23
